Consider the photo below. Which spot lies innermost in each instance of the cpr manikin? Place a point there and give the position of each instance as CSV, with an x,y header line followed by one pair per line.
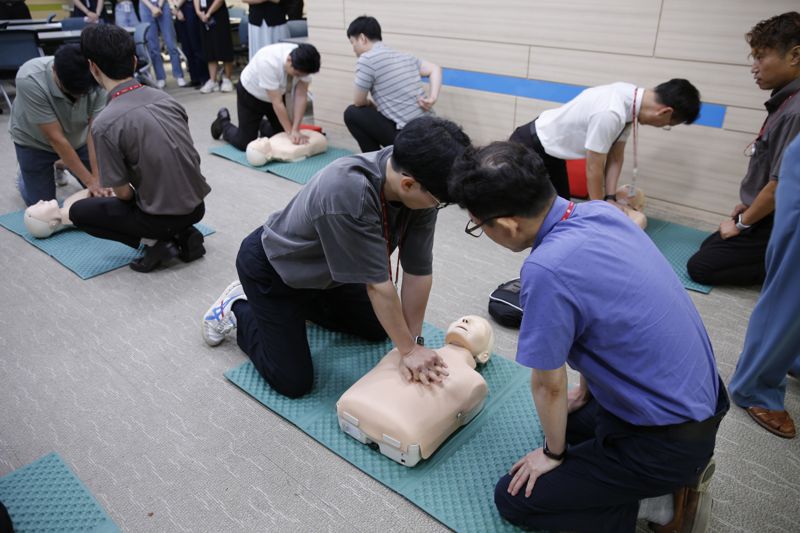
x,y
632,200
45,218
409,420
279,147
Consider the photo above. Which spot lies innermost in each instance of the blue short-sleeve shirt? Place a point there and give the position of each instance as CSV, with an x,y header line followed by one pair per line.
x,y
598,295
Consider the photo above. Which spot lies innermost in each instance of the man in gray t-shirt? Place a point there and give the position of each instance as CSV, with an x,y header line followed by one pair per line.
x,y
394,82
146,156
326,257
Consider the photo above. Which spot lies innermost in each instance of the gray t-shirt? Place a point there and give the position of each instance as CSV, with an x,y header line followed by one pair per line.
x,y
332,231
783,125
394,81
40,101
142,138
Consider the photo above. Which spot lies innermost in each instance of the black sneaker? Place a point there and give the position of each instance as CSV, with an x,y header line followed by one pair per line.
x,y
190,244
153,256
223,116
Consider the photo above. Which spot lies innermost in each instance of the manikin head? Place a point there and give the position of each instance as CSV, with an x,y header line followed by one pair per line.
x,y
259,151
363,33
775,50
43,218
631,196
473,333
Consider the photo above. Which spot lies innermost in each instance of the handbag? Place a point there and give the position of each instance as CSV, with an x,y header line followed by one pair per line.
x,y
504,305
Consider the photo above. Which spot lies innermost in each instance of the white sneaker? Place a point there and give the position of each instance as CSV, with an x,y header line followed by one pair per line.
x,y
161,83
227,86
209,86
219,320
181,82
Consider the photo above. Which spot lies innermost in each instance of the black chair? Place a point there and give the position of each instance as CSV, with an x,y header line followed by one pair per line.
x,y
298,28
16,47
241,49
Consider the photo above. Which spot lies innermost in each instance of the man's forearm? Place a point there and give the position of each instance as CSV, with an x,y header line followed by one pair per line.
x,y
300,102
283,115
594,180
550,397
73,162
415,293
92,154
763,205
614,167
387,307
436,82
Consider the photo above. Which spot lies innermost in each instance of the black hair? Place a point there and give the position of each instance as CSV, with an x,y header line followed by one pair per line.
x,y
369,26
503,179
73,70
781,33
682,97
111,48
425,150
305,58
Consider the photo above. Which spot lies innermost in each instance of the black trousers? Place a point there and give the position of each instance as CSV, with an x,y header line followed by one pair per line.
x,y
371,130
271,323
121,221
250,111
188,32
610,466
556,168
739,260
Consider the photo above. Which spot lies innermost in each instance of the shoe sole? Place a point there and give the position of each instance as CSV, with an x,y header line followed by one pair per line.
x,y
702,516
227,290
705,477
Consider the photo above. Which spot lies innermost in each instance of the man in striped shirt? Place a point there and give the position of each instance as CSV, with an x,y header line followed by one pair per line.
x,y
394,81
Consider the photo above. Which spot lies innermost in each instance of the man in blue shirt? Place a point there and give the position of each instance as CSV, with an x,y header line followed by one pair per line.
x,y
599,296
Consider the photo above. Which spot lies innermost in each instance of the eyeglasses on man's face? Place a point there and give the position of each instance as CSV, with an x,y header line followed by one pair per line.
x,y
474,229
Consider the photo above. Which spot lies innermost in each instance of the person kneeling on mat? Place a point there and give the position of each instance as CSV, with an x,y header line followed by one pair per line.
x,y
145,153
636,437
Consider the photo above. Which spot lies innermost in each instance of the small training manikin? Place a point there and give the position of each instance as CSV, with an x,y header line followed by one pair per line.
x,y
408,421
279,147
632,200
44,218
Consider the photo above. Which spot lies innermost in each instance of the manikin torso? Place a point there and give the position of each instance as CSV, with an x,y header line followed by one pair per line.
x,y
279,147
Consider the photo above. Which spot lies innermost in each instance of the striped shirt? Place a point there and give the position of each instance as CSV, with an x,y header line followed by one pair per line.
x,y
394,80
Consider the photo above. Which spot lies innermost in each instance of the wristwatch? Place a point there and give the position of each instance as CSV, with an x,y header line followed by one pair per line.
x,y
608,197
741,226
419,340
553,456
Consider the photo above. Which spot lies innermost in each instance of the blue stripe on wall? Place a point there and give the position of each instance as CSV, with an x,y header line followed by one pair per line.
x,y
711,115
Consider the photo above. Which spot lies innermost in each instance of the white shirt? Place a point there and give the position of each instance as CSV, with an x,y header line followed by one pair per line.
x,y
594,120
266,72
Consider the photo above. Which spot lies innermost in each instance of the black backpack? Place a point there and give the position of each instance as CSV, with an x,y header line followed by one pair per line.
x,y
504,304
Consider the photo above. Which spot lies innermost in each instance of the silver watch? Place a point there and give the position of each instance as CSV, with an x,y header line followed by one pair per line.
x,y
741,226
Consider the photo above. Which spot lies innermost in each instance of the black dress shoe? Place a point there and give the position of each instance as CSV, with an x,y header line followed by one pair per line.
x,y
190,244
223,116
153,256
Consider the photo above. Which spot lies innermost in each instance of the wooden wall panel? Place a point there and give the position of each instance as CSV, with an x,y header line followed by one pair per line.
x,y
330,41
692,166
530,108
744,120
333,92
625,26
486,117
721,84
326,13
713,30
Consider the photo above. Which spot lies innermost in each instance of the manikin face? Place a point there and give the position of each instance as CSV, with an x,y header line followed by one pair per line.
x,y
45,210
772,69
473,333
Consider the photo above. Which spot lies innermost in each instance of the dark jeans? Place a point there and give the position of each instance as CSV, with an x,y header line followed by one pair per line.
x,y
738,260
371,130
271,323
250,110
188,32
36,180
610,466
121,221
556,168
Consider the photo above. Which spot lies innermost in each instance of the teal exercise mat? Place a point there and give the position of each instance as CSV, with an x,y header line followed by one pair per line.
x,y
298,172
46,496
83,254
456,484
678,243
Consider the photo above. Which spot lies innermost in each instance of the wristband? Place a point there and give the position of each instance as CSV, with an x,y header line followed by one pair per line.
x,y
741,225
610,197
553,456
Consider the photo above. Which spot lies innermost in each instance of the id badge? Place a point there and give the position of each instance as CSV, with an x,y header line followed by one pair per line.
x,y
203,4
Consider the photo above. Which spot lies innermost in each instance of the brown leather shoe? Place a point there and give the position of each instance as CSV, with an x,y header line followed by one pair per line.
x,y
778,423
692,506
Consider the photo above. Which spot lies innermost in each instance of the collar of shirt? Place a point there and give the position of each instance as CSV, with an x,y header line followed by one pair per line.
x,y
552,218
782,94
119,87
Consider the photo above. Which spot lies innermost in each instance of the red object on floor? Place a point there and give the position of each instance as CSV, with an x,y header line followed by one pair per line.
x,y
311,127
576,172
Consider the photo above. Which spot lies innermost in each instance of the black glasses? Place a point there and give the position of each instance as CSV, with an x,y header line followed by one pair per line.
x,y
476,230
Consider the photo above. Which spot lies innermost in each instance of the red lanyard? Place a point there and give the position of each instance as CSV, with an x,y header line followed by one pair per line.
x,y
777,112
568,212
635,130
126,90
386,237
